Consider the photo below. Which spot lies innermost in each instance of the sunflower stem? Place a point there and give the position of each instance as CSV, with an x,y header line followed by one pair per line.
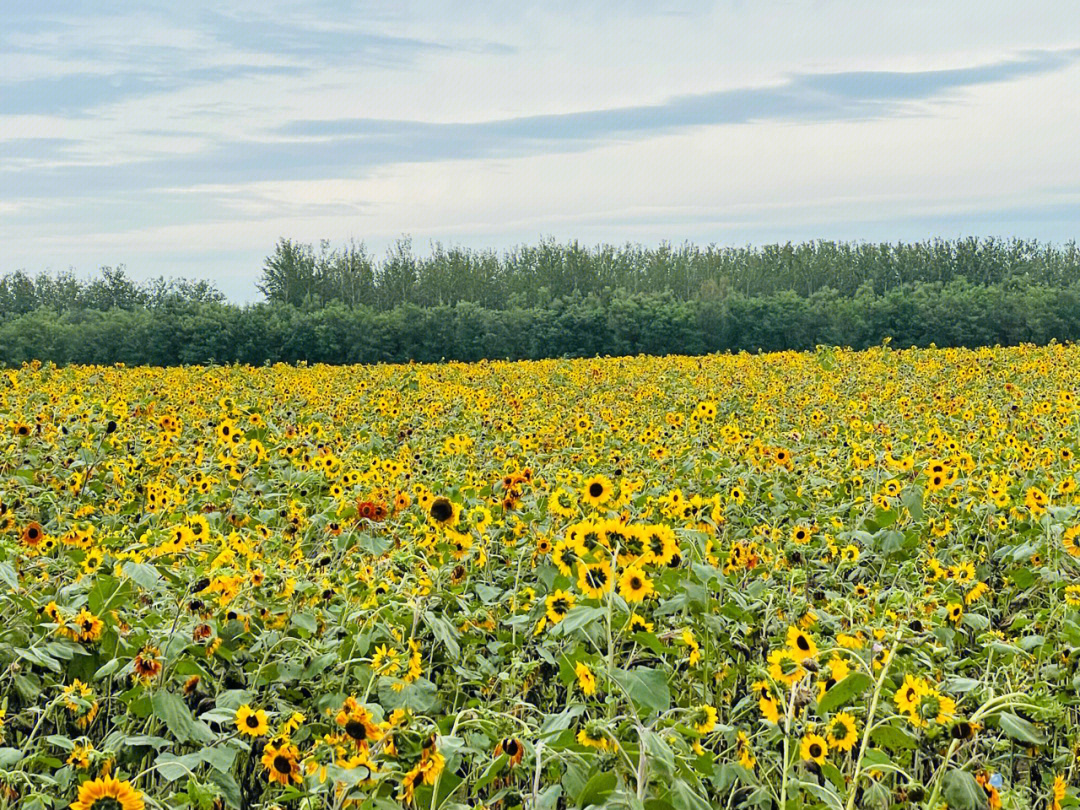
x,y
870,720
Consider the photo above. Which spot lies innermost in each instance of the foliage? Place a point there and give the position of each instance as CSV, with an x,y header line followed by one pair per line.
x,y
953,314
819,580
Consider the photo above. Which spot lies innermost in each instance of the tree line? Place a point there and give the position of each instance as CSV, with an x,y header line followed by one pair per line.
x,y
330,310
536,275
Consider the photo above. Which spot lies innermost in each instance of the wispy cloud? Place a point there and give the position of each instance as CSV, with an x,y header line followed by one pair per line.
x,y
802,97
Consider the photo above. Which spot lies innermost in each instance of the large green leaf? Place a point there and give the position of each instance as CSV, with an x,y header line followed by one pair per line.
x,y
1020,729
962,792
844,692
648,688
598,788
176,716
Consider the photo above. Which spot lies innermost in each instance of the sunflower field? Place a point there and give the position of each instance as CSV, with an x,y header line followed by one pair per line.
x,y
831,579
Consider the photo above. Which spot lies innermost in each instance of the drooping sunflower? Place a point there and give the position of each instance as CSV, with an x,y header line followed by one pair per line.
x,y
594,579
593,735
89,627
565,555
108,793
147,665
281,764
252,722
704,718
586,679
513,748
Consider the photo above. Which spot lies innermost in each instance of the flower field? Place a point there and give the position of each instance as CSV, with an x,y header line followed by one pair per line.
x,y
821,580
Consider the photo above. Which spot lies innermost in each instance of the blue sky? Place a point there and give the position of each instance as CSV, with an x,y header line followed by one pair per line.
x,y
184,139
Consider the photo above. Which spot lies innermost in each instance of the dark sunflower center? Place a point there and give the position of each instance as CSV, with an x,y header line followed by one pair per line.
x,y
815,750
596,489
596,577
282,764
636,583
803,643
252,721
511,748
106,803
442,510
356,730
559,606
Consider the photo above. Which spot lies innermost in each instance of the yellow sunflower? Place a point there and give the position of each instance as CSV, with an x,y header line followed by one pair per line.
x,y
252,722
108,793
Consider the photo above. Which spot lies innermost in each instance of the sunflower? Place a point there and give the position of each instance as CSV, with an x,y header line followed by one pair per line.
x,y
813,748
704,718
634,585
593,735
1072,595
907,696
597,490
281,764
585,677
558,604
638,624
443,511
785,667
514,750
660,546
565,555
108,793
252,722
800,644
955,612
561,503
842,732
88,626
594,579
147,665
32,534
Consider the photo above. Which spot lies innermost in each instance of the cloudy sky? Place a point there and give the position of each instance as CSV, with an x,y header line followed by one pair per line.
x,y
184,139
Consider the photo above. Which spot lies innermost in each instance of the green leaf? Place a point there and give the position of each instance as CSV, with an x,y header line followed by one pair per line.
x,y
445,633
894,738
597,789
143,574
648,688
420,696
107,669
578,617
172,767
489,774
305,621
962,792
683,797
1020,729
9,757
7,575
844,692
176,716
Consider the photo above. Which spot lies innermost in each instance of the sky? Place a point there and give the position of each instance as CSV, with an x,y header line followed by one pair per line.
x,y
185,139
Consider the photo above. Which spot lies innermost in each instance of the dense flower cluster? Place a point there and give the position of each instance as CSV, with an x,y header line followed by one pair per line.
x,y
832,579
